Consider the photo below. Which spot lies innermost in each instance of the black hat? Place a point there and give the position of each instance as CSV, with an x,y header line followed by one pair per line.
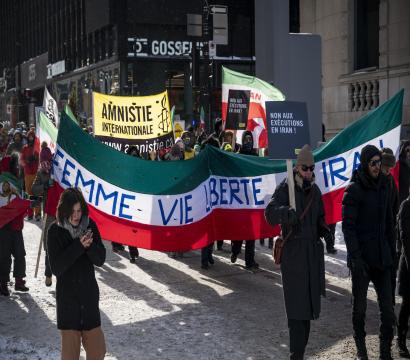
x,y
367,153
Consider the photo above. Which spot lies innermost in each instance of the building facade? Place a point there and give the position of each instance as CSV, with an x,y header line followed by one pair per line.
x,y
119,47
365,56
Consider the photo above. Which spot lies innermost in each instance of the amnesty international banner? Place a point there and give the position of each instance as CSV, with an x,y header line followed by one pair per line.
x,y
143,121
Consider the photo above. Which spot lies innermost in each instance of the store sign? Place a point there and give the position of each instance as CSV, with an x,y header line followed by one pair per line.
x,y
144,47
34,72
55,69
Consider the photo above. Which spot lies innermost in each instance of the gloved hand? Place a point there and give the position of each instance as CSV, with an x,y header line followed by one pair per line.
x,y
359,266
292,218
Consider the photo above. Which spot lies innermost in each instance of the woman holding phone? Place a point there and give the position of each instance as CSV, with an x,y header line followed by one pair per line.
x,y
74,246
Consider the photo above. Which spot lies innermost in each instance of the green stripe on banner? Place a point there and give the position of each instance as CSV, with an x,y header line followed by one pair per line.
x,y
372,125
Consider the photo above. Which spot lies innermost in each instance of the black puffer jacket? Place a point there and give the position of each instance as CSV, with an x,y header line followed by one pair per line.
x,y
404,179
403,224
368,224
302,267
77,291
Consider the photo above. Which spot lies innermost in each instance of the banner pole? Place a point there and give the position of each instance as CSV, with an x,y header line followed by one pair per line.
x,y
40,245
291,184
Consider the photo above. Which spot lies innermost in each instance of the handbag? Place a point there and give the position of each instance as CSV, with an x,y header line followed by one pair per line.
x,y
280,241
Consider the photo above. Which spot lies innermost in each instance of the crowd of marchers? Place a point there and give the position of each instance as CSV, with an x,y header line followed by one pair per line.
x,y
375,225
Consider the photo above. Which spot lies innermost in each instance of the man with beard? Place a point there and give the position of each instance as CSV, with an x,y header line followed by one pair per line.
x,y
302,261
368,228
29,160
250,263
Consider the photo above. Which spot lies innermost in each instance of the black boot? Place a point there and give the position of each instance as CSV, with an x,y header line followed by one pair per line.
x,y
4,290
385,350
361,349
401,344
20,285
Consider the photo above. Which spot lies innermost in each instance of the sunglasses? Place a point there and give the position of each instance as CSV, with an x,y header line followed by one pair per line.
x,y
374,163
306,168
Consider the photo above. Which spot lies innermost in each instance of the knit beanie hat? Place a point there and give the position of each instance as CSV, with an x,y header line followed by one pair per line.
x,y
367,153
305,156
388,158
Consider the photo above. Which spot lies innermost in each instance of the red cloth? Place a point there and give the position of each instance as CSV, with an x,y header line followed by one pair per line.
x,y
13,213
5,164
53,196
29,164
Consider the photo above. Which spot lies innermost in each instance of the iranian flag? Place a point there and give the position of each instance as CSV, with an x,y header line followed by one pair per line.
x,y
183,205
13,208
46,131
260,92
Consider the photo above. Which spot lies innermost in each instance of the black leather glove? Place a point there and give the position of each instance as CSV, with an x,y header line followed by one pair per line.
x,y
292,217
359,266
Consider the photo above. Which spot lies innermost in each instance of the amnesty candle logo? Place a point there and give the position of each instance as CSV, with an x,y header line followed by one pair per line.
x,y
143,121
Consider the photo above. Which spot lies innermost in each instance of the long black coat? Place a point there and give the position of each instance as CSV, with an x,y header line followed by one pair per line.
x,y
404,174
302,267
403,224
368,224
77,291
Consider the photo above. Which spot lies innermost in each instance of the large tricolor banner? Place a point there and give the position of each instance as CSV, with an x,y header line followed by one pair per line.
x,y
182,205
260,92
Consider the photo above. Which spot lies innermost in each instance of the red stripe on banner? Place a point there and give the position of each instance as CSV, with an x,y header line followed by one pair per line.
x,y
332,202
220,225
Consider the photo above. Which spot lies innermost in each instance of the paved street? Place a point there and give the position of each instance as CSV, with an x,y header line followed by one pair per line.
x,y
165,308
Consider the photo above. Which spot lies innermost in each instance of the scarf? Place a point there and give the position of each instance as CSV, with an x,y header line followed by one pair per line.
x,y
76,231
302,183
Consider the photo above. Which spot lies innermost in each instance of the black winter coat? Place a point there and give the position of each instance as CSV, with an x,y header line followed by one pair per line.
x,y
404,173
77,291
368,224
403,224
302,266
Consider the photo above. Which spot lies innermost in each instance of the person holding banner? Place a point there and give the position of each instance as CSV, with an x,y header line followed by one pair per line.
x,y
74,248
29,160
368,228
302,261
41,184
250,263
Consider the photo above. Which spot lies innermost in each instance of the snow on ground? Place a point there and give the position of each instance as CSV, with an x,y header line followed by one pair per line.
x,y
165,308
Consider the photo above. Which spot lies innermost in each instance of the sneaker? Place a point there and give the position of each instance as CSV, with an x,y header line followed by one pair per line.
x,y
211,260
4,290
233,258
205,266
49,281
20,286
132,259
